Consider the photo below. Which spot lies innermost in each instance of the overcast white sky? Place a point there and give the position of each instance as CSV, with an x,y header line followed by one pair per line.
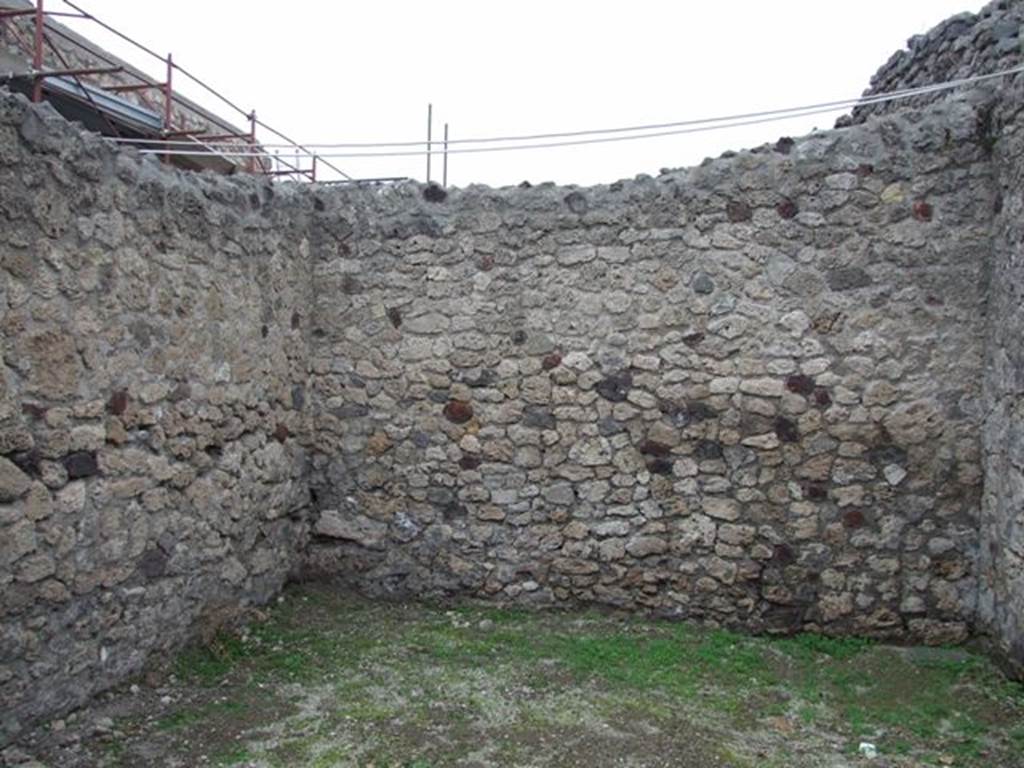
x,y
365,71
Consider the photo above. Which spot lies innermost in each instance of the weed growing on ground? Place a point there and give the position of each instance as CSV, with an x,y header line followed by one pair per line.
x,y
508,685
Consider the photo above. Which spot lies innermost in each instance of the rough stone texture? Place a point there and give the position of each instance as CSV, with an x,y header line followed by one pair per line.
x,y
962,46
761,393
149,354
664,394
1001,565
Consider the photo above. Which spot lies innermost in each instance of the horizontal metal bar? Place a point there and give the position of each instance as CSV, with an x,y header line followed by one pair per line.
x,y
81,71
223,136
32,12
127,88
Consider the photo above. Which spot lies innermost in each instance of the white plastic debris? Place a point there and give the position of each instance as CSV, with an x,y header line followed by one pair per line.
x,y
868,750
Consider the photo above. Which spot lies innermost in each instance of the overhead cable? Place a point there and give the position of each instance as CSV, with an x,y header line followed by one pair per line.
x,y
809,109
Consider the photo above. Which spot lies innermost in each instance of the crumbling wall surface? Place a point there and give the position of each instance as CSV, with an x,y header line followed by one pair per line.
x,y
960,47
152,478
1002,523
746,393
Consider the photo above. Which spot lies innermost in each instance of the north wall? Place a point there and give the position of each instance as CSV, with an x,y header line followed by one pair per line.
x,y
733,393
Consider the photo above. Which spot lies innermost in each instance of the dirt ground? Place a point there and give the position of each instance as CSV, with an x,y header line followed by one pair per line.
x,y
329,679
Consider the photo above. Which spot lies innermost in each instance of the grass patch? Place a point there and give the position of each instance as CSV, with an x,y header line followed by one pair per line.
x,y
186,717
392,673
233,756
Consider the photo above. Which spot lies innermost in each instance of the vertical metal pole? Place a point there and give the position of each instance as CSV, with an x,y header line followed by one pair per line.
x,y
251,162
37,53
168,104
430,123
444,175
314,168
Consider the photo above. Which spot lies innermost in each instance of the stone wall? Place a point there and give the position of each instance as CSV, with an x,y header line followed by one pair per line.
x,y
1001,566
732,393
152,479
962,46
748,393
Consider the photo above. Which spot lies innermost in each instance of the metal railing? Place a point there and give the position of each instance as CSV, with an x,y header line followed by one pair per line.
x,y
229,144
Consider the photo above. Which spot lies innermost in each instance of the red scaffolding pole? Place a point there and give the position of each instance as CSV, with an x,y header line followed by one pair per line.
x,y
255,163
37,54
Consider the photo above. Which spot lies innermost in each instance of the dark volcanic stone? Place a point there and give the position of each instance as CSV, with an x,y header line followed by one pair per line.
x,y
350,411
551,361
538,417
786,209
27,462
615,387
434,193
800,384
853,518
887,453
922,211
609,426
699,411
440,496
708,450
470,462
786,430
395,316
458,411
702,283
678,414
816,492
784,145
737,211
659,467
33,411
118,402
81,464
822,397
783,554
654,448
577,202
349,285
153,563
847,278
281,432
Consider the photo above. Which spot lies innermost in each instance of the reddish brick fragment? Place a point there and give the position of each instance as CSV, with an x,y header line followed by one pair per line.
x,y
551,361
458,411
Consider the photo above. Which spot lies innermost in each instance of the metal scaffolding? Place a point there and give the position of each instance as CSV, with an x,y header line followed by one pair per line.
x,y
117,116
